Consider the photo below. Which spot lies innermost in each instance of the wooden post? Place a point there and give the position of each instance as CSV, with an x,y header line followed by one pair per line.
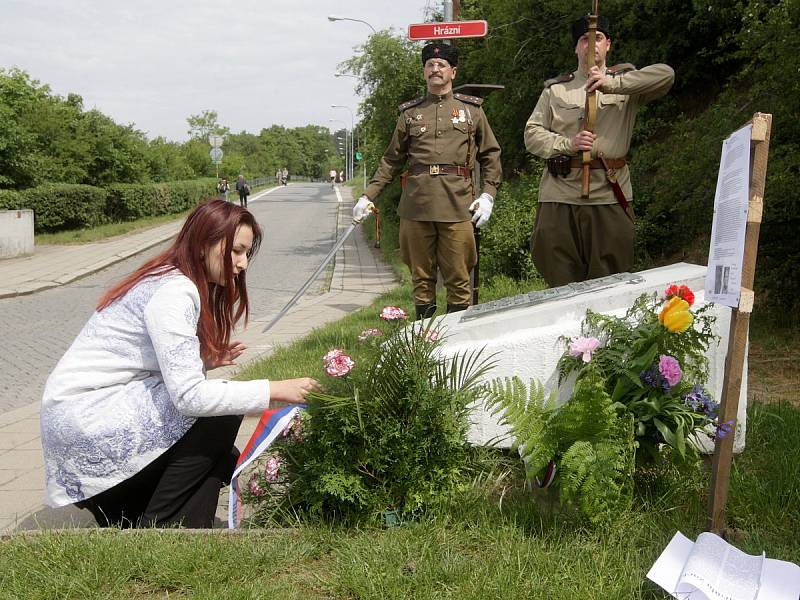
x,y
740,322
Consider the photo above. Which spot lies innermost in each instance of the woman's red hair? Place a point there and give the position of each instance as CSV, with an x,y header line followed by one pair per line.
x,y
221,307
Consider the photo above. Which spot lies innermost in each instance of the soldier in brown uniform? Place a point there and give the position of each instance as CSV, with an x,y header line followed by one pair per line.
x,y
440,135
576,238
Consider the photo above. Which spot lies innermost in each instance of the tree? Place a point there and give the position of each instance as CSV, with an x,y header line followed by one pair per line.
x,y
200,126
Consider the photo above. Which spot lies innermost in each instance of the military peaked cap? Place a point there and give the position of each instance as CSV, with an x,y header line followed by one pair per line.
x,y
581,26
440,50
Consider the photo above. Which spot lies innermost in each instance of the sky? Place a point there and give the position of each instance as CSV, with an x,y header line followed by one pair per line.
x,y
153,63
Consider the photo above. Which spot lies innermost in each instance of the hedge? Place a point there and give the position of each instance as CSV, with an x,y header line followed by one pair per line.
x,y
70,206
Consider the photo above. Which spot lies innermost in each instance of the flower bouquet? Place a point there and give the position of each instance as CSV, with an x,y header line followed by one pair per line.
x,y
636,387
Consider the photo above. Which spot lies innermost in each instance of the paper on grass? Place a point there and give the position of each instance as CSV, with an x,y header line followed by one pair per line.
x,y
713,569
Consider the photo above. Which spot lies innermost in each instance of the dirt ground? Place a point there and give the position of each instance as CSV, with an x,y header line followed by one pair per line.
x,y
774,361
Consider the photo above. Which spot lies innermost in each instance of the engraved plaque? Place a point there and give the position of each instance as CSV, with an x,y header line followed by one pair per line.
x,y
548,295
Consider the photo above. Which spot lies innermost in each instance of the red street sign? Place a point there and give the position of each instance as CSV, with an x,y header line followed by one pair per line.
x,y
439,31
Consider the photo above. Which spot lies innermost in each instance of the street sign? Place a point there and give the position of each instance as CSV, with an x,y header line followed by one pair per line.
x,y
455,29
358,155
215,140
216,155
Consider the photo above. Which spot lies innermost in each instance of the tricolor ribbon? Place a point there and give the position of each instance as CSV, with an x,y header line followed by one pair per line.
x,y
273,423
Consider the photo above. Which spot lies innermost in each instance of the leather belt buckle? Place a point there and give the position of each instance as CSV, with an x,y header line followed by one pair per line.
x,y
433,169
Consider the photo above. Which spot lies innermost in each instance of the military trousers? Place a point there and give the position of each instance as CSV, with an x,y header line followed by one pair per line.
x,y
575,242
430,246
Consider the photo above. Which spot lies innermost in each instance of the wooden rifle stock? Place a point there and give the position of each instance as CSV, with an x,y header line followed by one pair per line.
x,y
591,99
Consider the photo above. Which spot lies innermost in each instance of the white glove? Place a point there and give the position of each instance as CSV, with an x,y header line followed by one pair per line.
x,y
362,209
482,209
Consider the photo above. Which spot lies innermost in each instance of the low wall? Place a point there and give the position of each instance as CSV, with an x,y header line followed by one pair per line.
x,y
16,233
526,340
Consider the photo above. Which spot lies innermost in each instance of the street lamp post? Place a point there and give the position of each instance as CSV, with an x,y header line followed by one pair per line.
x,y
338,18
352,132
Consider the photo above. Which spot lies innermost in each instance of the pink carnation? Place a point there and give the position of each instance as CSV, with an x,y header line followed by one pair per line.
x,y
295,430
393,313
583,347
430,335
368,333
330,355
670,368
272,469
254,487
339,366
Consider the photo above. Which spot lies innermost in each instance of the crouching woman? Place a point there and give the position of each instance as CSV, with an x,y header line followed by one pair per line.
x,y
131,428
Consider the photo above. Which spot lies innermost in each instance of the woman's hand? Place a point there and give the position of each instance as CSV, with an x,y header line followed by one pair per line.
x,y
228,357
293,391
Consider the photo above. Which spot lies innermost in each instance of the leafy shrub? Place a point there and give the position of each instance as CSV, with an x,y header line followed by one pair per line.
x,y
64,206
390,438
9,199
127,202
505,241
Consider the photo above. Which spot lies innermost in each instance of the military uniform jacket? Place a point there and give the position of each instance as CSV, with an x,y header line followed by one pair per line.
x,y
439,130
559,115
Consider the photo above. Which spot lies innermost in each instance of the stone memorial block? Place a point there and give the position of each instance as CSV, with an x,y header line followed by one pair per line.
x,y
16,233
523,333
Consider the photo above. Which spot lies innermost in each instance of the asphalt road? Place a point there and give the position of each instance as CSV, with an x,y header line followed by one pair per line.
x,y
299,223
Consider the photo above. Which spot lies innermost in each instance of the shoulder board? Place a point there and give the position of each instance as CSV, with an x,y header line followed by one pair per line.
x,y
620,69
563,78
468,99
410,103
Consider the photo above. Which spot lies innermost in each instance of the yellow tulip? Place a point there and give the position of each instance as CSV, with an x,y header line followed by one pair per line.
x,y
675,315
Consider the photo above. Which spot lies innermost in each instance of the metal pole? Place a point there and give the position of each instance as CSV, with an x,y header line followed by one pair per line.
x,y
448,10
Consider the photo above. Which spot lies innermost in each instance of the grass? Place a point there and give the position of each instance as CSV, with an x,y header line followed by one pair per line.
x,y
478,547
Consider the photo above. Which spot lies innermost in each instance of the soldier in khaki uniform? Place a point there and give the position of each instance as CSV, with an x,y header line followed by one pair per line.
x,y
440,135
576,238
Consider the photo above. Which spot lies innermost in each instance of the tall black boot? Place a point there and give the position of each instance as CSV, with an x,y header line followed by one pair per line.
x,y
425,311
451,308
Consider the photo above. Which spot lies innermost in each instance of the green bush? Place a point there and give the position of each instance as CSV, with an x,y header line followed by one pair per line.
x,y
127,202
9,199
505,241
389,441
65,206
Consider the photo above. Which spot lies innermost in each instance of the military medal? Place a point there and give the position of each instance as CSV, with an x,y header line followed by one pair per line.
x,y
454,114
418,117
462,115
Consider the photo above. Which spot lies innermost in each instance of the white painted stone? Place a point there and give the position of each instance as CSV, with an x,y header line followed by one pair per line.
x,y
16,233
525,340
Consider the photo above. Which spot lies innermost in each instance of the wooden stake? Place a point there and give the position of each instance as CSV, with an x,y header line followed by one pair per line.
x,y
740,322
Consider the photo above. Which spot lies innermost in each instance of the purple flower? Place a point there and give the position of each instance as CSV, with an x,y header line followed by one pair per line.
x,y
670,368
583,347
700,402
430,335
723,429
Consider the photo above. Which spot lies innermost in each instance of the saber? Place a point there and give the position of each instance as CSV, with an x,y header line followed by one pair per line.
x,y
339,243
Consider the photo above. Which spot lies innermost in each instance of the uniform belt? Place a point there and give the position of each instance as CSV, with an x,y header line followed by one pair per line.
x,y
440,170
613,163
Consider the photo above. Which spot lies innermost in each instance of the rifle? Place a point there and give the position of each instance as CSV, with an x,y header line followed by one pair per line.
x,y
591,97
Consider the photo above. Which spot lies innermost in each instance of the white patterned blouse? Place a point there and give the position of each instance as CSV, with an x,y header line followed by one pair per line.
x,y
129,387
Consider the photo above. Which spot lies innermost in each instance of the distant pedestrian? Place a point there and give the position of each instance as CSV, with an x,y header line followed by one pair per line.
x,y
243,189
285,176
341,176
131,428
222,188
332,175
278,176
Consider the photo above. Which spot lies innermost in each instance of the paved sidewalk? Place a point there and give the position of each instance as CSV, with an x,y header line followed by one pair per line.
x,y
359,277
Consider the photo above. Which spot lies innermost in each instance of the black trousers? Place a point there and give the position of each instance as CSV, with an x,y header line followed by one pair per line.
x,y
181,487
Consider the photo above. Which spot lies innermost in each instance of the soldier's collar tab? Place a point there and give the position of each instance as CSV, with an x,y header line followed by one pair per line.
x,y
440,97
